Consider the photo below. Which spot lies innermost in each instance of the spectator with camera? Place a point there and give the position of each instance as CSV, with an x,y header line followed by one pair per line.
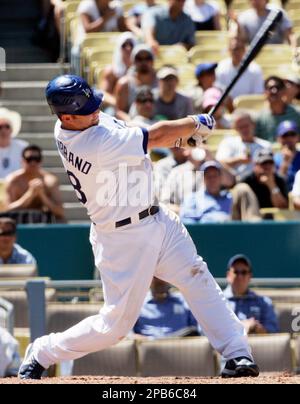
x,y
256,312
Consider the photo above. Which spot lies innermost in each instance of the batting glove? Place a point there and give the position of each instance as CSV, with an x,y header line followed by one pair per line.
x,y
204,127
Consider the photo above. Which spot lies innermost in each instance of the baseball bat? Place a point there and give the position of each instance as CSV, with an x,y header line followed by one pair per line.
x,y
255,47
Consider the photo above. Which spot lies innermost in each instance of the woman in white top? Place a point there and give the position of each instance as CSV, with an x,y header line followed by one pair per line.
x,y
121,62
101,16
206,15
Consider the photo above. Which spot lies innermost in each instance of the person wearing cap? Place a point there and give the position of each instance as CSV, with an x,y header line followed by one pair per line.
x,y
142,73
210,98
142,112
164,314
214,203
287,161
169,103
168,25
269,188
278,110
10,148
209,204
205,76
237,152
11,252
256,312
34,189
205,14
251,81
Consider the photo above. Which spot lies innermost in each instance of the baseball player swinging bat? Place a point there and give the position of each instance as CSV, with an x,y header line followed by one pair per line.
x,y
256,45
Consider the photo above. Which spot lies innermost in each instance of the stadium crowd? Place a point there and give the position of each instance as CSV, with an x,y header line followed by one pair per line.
x,y
253,162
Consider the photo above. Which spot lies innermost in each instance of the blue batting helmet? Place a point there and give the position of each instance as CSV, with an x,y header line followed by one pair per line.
x,y
69,94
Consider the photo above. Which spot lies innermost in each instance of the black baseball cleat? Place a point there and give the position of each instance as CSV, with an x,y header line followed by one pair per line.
x,y
240,367
30,368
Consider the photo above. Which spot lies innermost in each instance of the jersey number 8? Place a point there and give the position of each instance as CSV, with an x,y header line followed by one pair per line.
x,y
77,186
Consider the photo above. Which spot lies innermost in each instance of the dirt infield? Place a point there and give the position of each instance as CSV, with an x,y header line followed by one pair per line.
x,y
265,379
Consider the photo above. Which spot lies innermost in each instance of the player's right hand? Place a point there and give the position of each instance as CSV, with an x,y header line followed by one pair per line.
x,y
204,127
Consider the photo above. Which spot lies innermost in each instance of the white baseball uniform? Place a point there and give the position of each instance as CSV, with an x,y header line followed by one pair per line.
x,y
129,256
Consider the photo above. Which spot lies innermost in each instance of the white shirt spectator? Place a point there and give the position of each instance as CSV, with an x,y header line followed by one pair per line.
x,y
90,8
296,188
251,82
251,23
234,147
11,157
203,12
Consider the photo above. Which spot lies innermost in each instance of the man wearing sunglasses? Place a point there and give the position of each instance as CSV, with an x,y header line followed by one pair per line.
x,y
256,312
10,252
33,188
278,110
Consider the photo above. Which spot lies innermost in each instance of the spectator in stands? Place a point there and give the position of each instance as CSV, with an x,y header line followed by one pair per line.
x,y
237,152
143,110
135,15
205,14
10,148
33,188
277,112
212,204
292,85
10,252
296,192
269,188
101,16
142,73
163,167
256,312
122,61
287,161
252,80
10,360
206,76
169,103
168,25
164,314
252,19
210,98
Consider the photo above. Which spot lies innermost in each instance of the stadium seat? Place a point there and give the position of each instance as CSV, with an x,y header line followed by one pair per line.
x,y
2,195
281,70
61,316
282,54
280,214
218,135
202,53
211,37
118,360
18,271
19,300
254,101
172,55
190,356
273,353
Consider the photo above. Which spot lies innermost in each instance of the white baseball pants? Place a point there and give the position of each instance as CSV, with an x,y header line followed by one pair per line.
x,y
128,258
